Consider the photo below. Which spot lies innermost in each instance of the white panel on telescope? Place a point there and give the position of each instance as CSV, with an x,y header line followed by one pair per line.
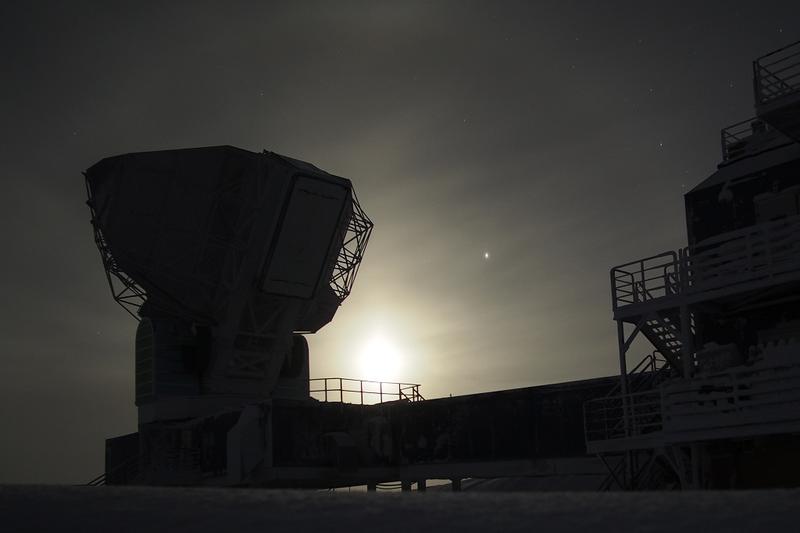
x,y
306,232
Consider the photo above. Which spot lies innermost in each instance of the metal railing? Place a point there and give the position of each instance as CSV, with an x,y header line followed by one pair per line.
x,y
645,374
738,396
123,473
622,416
362,391
735,138
741,256
745,255
777,74
645,279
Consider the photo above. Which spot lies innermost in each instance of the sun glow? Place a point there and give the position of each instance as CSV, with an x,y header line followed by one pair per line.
x,y
380,359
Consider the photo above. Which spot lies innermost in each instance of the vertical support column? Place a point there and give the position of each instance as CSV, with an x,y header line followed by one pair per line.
x,y
455,484
687,350
372,487
405,485
422,485
696,465
623,385
623,363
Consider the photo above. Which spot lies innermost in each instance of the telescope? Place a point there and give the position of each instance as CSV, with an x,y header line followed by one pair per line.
x,y
226,258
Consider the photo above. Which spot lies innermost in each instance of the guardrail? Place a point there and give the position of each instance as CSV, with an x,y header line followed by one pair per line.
x,y
362,391
121,474
735,397
745,255
645,279
741,256
777,74
645,374
622,416
734,138
738,401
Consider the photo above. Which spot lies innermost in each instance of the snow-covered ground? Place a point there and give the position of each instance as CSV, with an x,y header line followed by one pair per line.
x,y
122,509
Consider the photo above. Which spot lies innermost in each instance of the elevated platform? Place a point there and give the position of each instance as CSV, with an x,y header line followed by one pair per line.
x,y
533,431
722,313
737,263
741,402
776,82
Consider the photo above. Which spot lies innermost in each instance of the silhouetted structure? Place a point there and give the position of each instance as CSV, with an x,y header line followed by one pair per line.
x,y
227,256
718,403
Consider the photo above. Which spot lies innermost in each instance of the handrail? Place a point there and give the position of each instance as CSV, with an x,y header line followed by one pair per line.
x,y
652,365
126,465
734,138
99,480
640,280
736,397
724,260
756,390
769,82
790,45
605,418
355,388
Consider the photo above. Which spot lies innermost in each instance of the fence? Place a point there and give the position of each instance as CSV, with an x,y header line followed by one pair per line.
x,y
740,401
756,395
777,74
622,416
734,138
645,279
361,391
741,256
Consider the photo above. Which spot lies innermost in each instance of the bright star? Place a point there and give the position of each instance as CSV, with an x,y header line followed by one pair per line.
x,y
486,255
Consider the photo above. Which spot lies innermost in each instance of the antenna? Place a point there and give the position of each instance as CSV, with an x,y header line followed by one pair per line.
x,y
224,256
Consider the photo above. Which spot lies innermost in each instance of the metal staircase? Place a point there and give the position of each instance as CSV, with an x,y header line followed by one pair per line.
x,y
124,473
663,330
605,417
648,373
647,468
653,431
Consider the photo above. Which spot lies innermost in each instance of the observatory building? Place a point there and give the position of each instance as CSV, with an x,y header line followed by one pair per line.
x,y
717,404
227,258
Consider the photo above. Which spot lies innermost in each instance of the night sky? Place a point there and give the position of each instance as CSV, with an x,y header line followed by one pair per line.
x,y
556,137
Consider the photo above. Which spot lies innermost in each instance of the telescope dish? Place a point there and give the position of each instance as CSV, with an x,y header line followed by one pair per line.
x,y
224,255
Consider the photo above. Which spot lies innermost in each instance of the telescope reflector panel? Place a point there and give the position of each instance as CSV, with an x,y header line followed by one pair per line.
x,y
301,249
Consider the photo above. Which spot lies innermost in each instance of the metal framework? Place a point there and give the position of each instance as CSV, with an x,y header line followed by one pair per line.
x,y
655,424
733,261
354,241
777,74
126,292
734,139
363,391
649,418
131,296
